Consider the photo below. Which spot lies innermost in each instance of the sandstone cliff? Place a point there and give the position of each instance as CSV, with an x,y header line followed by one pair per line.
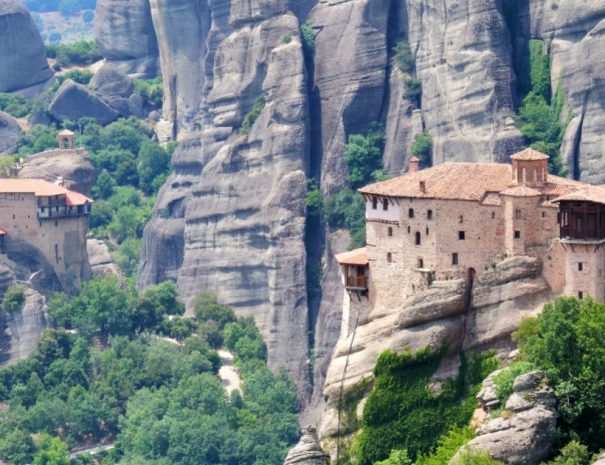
x,y
23,65
231,217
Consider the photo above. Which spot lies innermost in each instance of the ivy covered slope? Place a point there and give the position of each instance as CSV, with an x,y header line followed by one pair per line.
x,y
125,369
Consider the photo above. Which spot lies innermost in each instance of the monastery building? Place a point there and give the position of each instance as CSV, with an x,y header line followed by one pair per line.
x,y
455,220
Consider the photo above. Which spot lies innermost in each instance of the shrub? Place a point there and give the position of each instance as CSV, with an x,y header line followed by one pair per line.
x,y
13,299
81,76
447,446
476,457
85,51
14,105
152,91
574,453
253,114
207,308
286,39
505,379
404,58
347,210
423,148
308,37
363,154
413,90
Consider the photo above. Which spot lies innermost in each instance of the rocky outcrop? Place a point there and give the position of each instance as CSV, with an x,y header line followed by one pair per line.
x,y
239,198
100,258
74,166
74,101
24,327
441,315
525,432
23,65
308,451
125,36
117,89
9,133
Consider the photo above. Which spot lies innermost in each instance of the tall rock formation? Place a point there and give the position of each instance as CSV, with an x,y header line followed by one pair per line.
x,y
23,65
230,219
125,36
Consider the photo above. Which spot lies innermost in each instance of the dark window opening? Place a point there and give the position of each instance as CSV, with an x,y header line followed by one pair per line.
x,y
461,219
454,258
517,234
580,266
460,235
493,215
411,213
420,263
580,295
409,229
390,231
374,203
418,238
427,231
543,214
389,257
385,204
429,214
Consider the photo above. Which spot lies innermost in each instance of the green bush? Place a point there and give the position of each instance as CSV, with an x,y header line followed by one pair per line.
x,y
83,52
347,210
38,139
422,147
308,37
447,446
413,90
574,453
363,154
14,105
13,299
397,457
253,114
505,379
403,412
81,76
566,342
152,91
404,57
476,457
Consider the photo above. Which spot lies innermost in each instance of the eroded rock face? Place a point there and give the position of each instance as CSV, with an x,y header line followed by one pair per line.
x,y
74,101
308,451
100,258
23,65
9,133
525,433
501,297
125,35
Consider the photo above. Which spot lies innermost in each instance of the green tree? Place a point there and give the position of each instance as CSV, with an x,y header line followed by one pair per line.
x,y
17,447
206,307
423,149
38,139
104,187
51,451
153,161
13,299
363,155
308,37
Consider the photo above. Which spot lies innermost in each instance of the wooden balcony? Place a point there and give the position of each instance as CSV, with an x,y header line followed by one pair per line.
x,y
357,283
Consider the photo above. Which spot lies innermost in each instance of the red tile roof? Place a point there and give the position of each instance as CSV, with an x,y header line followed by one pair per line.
x,y
41,188
357,257
529,154
589,193
521,191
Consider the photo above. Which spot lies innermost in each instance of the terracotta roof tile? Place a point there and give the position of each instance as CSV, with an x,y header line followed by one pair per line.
x,y
460,181
354,257
41,188
529,154
492,198
594,194
521,191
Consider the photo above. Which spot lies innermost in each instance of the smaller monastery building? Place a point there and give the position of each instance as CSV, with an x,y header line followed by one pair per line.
x,y
45,223
455,220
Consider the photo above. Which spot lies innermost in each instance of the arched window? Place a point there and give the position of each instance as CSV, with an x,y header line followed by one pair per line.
x,y
418,238
420,263
411,213
429,214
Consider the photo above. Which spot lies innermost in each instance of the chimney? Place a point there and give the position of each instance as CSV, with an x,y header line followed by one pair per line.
x,y
423,187
414,164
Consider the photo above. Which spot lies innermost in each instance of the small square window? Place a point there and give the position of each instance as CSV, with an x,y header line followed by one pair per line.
x,y
454,258
580,295
461,235
543,214
517,234
390,232
580,266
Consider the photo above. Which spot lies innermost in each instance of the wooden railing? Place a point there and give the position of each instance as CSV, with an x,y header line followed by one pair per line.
x,y
357,282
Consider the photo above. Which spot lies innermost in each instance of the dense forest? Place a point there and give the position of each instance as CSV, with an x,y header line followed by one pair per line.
x,y
127,369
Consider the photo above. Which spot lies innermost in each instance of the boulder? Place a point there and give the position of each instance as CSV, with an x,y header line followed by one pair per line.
x,y
9,133
525,432
100,258
125,35
308,451
23,65
74,166
111,81
74,101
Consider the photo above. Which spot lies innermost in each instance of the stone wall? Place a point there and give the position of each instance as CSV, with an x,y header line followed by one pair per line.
x,y
584,270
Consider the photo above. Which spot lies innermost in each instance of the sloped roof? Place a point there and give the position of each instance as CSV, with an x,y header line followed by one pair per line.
x,y
456,181
357,257
588,193
521,191
42,188
529,154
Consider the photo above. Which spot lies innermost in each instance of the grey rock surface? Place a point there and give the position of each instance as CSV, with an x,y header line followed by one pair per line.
x,y
111,81
100,258
9,133
308,451
74,101
125,36
23,62
74,166
525,434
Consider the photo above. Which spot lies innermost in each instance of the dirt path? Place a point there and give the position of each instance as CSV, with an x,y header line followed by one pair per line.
x,y
228,373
